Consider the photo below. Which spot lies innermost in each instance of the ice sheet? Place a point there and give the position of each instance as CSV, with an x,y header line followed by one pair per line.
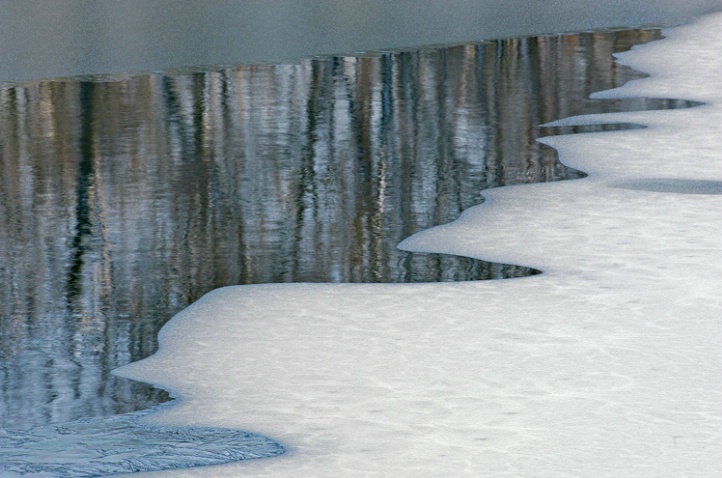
x,y
92,447
606,365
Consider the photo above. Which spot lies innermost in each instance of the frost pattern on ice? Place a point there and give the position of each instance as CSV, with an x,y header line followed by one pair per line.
x,y
122,444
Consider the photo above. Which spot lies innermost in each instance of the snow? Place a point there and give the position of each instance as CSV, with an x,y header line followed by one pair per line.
x,y
606,365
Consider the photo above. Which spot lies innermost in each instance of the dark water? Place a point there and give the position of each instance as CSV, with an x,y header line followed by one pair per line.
x,y
123,201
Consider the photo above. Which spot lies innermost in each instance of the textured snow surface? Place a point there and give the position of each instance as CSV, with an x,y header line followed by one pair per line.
x,y
606,365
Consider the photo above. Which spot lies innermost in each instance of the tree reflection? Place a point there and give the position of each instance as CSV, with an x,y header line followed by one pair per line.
x,y
123,201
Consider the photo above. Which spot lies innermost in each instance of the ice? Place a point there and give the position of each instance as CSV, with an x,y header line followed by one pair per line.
x,y
92,447
606,365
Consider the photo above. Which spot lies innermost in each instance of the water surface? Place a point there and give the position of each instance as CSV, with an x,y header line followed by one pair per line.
x,y
39,39
124,200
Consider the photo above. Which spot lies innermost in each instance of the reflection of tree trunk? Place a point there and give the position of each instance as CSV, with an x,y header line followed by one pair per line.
x,y
86,173
381,167
306,194
363,166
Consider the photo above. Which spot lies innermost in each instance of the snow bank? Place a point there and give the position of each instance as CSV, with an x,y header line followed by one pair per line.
x,y
606,365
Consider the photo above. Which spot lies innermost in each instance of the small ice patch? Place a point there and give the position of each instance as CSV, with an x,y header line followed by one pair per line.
x,y
93,447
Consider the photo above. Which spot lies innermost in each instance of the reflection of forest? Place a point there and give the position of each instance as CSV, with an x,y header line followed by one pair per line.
x,y
123,201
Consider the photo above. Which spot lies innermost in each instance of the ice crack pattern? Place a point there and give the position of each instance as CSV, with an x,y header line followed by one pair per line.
x,y
93,447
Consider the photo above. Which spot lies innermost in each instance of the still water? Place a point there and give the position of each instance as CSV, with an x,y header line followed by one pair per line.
x,y
41,39
123,200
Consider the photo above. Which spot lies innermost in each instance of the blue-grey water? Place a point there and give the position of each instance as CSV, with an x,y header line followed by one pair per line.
x,y
41,39
123,199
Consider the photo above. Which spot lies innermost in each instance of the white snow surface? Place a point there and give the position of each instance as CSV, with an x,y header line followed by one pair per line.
x,y
608,364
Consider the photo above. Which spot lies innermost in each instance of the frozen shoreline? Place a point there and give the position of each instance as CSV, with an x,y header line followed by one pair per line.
x,y
606,365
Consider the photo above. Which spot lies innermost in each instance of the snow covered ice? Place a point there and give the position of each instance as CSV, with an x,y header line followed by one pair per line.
x,y
606,365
